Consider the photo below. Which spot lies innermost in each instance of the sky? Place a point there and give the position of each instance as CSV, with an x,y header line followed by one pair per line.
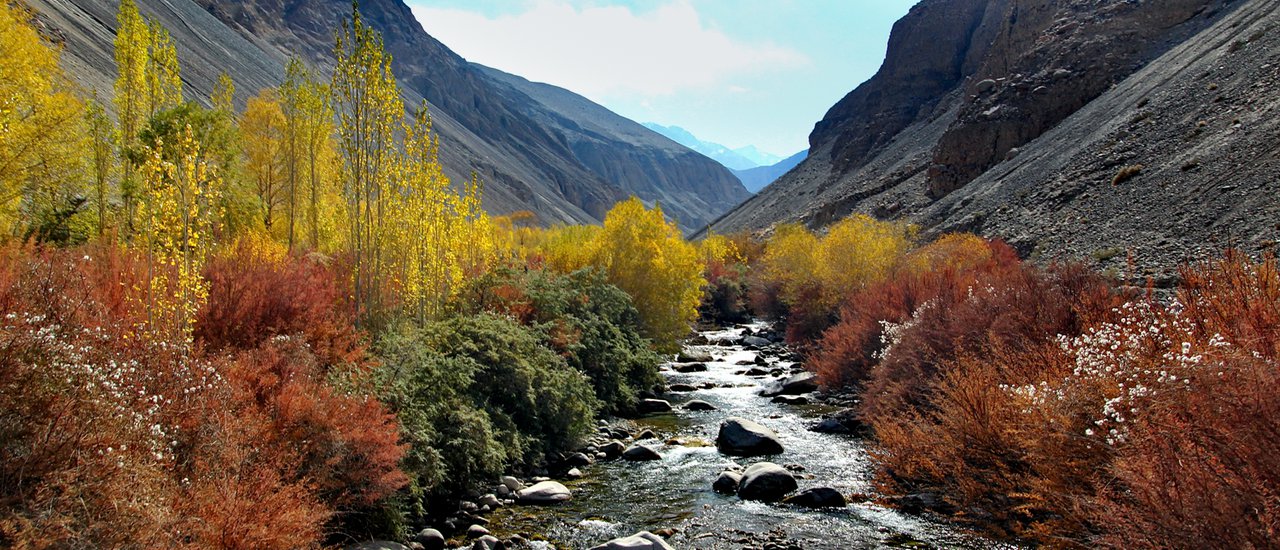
x,y
734,72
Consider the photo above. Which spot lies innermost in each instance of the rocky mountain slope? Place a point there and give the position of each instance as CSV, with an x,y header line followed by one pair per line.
x,y
1077,128
564,166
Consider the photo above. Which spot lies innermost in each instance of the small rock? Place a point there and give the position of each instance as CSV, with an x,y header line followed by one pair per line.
x,y
699,405
487,542
469,507
694,356
691,367
984,86
641,453
545,492
646,434
573,473
489,500
817,497
643,540
791,399
613,449
681,388
476,531
503,491
652,406
766,481
756,371
727,483
754,341
577,460
804,382
512,483
430,539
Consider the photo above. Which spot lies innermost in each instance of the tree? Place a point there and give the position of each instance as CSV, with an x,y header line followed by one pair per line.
x,y
102,151
647,257
41,131
133,39
367,99
308,110
164,85
857,251
263,131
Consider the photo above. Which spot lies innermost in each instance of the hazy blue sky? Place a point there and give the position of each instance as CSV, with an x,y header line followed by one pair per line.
x,y
736,72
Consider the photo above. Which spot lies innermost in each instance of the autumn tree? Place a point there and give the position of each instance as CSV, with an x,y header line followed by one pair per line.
x,y
102,157
859,250
367,101
133,40
264,135
41,131
164,84
647,257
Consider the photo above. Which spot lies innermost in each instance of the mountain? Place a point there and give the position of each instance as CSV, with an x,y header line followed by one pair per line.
x,y
755,179
1070,128
728,157
760,158
566,166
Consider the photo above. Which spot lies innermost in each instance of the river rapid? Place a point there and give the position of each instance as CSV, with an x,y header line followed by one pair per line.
x,y
619,498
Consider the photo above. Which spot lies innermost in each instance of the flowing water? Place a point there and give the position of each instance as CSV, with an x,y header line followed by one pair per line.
x,y
619,498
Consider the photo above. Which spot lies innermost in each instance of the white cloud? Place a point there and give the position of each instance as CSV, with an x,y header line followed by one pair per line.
x,y
606,51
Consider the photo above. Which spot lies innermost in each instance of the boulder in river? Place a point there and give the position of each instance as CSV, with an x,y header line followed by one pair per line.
x,y
756,371
817,497
646,434
577,460
699,405
490,500
790,399
842,422
643,540
681,388
652,406
804,382
766,481
512,483
544,492
754,341
641,453
694,356
613,449
727,482
742,437
476,531
487,542
691,367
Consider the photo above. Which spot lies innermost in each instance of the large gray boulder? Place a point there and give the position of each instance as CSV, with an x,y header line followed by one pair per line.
x,y
643,540
641,453
754,341
699,405
653,406
613,449
804,382
766,481
742,437
545,492
694,356
818,497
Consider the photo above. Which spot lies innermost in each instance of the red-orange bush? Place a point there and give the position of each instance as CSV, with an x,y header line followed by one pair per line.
x,y
255,296
107,439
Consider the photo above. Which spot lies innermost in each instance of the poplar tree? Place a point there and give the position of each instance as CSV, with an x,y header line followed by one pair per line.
x,y
132,43
367,100
102,157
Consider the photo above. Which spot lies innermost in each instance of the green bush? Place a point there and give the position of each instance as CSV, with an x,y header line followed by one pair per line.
x,y
588,321
477,394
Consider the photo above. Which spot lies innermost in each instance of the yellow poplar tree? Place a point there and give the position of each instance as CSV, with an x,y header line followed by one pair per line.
x,y
102,157
132,45
41,124
180,203
164,85
789,260
647,257
367,100
857,251
262,130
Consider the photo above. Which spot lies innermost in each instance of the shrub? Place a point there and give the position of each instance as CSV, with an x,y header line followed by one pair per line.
x,y
583,318
477,394
257,294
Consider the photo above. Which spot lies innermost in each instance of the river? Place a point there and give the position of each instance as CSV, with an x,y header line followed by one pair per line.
x,y
619,498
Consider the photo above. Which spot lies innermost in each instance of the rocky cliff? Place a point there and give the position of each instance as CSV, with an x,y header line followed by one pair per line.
x,y
1015,118
530,155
